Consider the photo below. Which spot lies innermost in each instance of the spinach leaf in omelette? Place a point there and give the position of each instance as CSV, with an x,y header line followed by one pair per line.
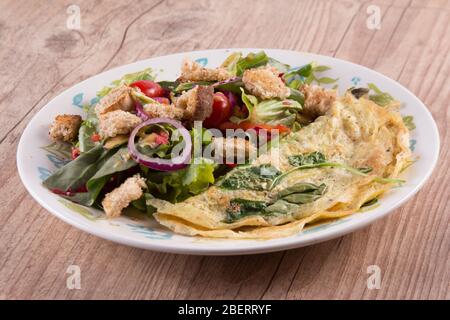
x,y
307,158
286,201
318,160
240,208
257,178
301,193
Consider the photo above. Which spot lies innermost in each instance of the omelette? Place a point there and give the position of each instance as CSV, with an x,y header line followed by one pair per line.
x,y
328,169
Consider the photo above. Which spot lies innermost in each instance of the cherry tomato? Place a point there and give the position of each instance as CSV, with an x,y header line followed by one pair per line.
x,y
162,100
95,137
221,111
149,88
246,125
75,153
162,138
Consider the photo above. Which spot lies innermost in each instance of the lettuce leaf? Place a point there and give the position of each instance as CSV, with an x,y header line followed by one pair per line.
x,y
76,173
236,64
199,175
90,170
250,102
120,161
87,129
176,186
252,60
307,74
231,61
272,112
280,66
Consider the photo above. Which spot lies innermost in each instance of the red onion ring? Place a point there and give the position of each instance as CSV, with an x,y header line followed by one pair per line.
x,y
227,81
161,100
176,163
140,111
231,98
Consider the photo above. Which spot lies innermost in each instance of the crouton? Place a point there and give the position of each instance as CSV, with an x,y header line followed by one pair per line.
x,y
117,99
117,122
317,100
193,71
196,103
120,198
235,148
265,83
65,127
159,110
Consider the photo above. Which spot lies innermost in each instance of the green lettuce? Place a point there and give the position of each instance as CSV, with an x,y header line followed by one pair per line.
x,y
272,112
307,74
76,173
231,61
252,60
176,186
91,170
119,161
236,64
87,129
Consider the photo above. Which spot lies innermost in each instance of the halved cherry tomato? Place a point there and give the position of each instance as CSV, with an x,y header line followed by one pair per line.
x,y
162,100
95,137
162,138
246,125
221,111
271,131
75,153
149,88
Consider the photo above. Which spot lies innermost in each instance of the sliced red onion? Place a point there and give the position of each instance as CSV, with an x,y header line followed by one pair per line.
x,y
176,163
231,98
161,100
234,79
140,111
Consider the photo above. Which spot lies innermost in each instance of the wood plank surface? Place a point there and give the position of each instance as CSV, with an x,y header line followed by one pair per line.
x,y
40,57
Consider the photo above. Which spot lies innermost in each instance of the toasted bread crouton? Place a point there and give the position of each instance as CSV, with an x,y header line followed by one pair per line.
x,y
265,83
65,127
317,100
196,103
117,99
117,122
234,148
193,71
120,198
159,110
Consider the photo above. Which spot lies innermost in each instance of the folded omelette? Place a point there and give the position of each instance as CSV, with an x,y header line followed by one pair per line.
x,y
326,170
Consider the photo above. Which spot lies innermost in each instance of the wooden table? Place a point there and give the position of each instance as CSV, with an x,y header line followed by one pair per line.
x,y
40,57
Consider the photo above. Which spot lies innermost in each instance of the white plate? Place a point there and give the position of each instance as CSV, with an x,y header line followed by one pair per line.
x,y
35,164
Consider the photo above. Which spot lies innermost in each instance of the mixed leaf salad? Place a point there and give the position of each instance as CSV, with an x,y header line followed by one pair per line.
x,y
147,129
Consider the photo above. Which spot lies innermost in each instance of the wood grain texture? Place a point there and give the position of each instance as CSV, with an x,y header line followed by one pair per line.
x,y
40,57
